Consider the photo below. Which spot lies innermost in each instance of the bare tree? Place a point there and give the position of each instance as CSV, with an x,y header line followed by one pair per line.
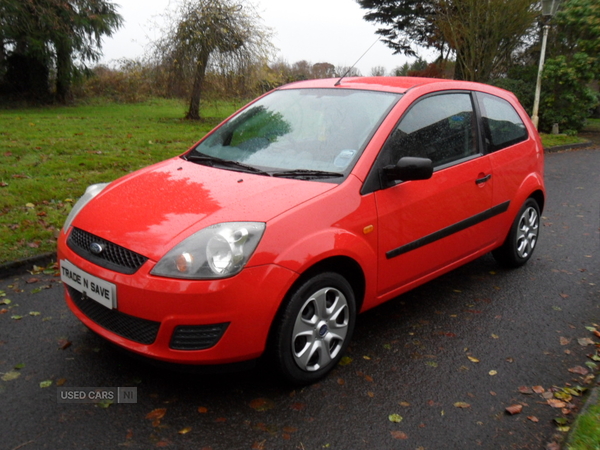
x,y
378,71
323,70
201,33
483,33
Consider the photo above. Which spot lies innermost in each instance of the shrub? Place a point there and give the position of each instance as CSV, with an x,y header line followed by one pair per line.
x,y
567,98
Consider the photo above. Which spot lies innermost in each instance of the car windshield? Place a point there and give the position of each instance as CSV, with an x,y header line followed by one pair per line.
x,y
300,133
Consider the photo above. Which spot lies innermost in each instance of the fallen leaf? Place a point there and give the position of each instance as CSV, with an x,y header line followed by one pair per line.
x,y
579,370
298,406
345,361
493,372
514,409
462,405
396,418
9,376
533,419
16,317
564,396
45,383
61,381
564,341
34,313
185,430
585,341
156,414
555,403
262,404
202,410
64,344
538,389
104,404
525,390
399,435
473,359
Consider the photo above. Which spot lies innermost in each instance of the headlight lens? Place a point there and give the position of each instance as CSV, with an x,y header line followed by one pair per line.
x,y
89,194
218,251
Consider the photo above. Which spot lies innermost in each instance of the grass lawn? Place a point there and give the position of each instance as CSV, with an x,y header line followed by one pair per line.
x,y
586,429
553,140
50,155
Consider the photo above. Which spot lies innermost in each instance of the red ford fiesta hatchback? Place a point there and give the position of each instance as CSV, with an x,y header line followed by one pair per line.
x,y
315,202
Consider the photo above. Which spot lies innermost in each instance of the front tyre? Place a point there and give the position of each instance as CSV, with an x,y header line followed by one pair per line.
x,y
315,327
523,236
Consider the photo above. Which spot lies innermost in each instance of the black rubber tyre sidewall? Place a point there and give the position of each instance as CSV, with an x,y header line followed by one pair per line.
x,y
284,328
507,254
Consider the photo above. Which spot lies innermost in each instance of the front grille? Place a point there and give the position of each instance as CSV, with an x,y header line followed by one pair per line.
x,y
112,256
197,337
130,327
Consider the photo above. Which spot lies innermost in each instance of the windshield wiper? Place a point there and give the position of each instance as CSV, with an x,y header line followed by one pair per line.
x,y
213,161
305,174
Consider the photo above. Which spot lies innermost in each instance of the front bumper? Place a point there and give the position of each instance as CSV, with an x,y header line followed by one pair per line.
x,y
183,321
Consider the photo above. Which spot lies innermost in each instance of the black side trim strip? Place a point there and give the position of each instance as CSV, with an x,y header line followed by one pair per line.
x,y
445,232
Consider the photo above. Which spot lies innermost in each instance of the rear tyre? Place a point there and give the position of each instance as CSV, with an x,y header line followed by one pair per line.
x,y
315,328
522,238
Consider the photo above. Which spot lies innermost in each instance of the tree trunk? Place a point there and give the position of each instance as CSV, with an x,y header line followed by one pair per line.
x,y
194,108
64,72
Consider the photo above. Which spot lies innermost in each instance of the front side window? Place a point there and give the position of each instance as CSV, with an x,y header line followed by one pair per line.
x,y
301,130
502,125
439,127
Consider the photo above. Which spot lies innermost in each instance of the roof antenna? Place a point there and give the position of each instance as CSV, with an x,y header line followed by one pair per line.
x,y
352,67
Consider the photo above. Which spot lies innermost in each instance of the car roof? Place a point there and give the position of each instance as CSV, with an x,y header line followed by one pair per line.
x,y
389,84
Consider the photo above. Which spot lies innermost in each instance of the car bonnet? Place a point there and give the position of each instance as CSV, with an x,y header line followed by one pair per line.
x,y
152,210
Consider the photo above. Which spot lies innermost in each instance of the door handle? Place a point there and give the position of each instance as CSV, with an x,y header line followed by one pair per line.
x,y
484,179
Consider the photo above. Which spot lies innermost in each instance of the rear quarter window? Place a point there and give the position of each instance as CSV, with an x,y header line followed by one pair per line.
x,y
502,124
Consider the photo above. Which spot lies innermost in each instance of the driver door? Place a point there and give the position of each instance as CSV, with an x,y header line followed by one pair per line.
x,y
427,225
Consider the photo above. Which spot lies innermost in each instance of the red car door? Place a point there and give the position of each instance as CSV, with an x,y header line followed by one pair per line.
x,y
426,226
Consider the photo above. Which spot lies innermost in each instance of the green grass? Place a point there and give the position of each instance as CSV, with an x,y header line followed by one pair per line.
x,y
553,140
586,430
50,155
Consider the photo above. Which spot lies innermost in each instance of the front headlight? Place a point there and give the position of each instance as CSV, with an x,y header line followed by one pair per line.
x,y
218,251
89,194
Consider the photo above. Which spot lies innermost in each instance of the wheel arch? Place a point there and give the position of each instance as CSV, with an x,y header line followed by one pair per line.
x,y
344,266
539,197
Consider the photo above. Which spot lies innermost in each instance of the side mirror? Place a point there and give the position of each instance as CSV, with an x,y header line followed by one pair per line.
x,y
407,169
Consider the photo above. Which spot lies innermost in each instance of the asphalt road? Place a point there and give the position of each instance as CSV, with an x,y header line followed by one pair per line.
x,y
433,369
